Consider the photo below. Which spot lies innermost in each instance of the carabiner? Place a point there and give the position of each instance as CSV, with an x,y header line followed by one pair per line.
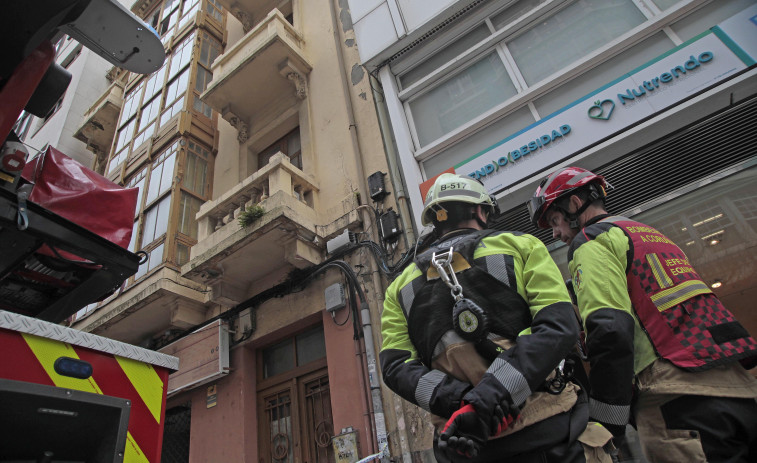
x,y
445,260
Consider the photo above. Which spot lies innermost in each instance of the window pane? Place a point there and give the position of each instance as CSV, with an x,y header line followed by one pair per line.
x,y
513,12
188,14
456,47
150,111
608,71
133,241
665,4
116,161
187,211
155,83
131,103
201,107
162,173
182,254
278,358
483,139
462,98
196,170
156,257
156,221
210,48
138,181
571,34
181,55
214,9
293,143
311,345
175,97
125,134
166,175
708,16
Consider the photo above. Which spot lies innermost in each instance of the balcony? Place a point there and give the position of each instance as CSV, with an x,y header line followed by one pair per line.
x,y
249,11
99,123
260,76
230,258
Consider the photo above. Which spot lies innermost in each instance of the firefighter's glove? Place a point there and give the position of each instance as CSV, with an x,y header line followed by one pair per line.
x,y
465,434
504,415
493,404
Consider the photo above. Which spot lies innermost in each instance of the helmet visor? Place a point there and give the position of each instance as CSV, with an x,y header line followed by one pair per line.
x,y
534,208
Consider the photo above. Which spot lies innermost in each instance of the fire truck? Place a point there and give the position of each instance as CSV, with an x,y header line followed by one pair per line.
x,y
68,395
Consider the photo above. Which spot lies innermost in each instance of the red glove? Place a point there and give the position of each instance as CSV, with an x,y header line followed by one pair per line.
x,y
504,415
464,434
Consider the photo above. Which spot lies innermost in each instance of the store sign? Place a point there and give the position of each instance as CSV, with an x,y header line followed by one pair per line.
x,y
660,84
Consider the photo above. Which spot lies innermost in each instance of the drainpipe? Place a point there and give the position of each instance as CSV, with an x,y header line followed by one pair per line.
x,y
390,148
378,407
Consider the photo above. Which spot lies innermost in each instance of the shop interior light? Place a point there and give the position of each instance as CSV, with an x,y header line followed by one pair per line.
x,y
716,284
714,238
707,220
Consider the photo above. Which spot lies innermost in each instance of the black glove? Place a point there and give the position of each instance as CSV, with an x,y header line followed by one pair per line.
x,y
493,405
464,434
504,415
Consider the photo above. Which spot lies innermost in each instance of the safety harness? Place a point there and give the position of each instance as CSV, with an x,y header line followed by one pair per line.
x,y
489,309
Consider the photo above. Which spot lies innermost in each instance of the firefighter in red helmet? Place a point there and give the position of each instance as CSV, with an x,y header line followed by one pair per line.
x,y
664,351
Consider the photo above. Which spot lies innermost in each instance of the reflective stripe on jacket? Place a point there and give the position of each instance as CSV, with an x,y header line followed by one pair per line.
x,y
686,322
601,259
520,262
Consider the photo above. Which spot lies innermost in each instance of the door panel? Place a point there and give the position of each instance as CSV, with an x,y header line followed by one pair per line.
x,y
318,423
296,424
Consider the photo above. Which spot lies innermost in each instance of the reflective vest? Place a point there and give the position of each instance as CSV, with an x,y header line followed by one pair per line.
x,y
686,323
489,282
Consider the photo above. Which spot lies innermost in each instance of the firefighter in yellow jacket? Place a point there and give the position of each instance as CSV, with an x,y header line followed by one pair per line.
x,y
663,349
475,331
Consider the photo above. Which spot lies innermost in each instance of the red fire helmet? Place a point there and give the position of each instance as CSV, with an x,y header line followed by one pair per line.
x,y
558,184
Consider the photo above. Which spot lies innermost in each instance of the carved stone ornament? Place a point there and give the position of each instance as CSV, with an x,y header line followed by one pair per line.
x,y
244,18
243,133
300,85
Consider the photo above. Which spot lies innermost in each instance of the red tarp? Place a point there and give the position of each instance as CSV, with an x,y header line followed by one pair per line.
x,y
81,195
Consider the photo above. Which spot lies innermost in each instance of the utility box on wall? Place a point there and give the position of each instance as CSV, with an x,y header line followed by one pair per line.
x,y
345,446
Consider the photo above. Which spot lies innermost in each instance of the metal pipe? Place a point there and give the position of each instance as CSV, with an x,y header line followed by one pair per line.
x,y
378,408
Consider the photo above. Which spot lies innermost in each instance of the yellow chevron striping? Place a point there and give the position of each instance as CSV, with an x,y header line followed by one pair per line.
x,y
47,351
133,454
146,382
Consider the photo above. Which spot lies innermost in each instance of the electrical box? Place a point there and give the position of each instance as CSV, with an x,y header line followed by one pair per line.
x,y
340,242
377,187
334,296
389,224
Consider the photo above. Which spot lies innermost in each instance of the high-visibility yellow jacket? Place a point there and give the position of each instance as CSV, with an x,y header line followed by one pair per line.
x,y
514,279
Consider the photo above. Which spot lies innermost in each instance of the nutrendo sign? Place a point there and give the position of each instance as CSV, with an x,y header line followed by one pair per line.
x,y
662,83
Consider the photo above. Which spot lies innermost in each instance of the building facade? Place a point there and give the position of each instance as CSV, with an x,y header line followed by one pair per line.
x,y
657,95
89,78
266,249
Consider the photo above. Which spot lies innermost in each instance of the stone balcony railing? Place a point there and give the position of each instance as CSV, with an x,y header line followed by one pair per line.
x,y
278,175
